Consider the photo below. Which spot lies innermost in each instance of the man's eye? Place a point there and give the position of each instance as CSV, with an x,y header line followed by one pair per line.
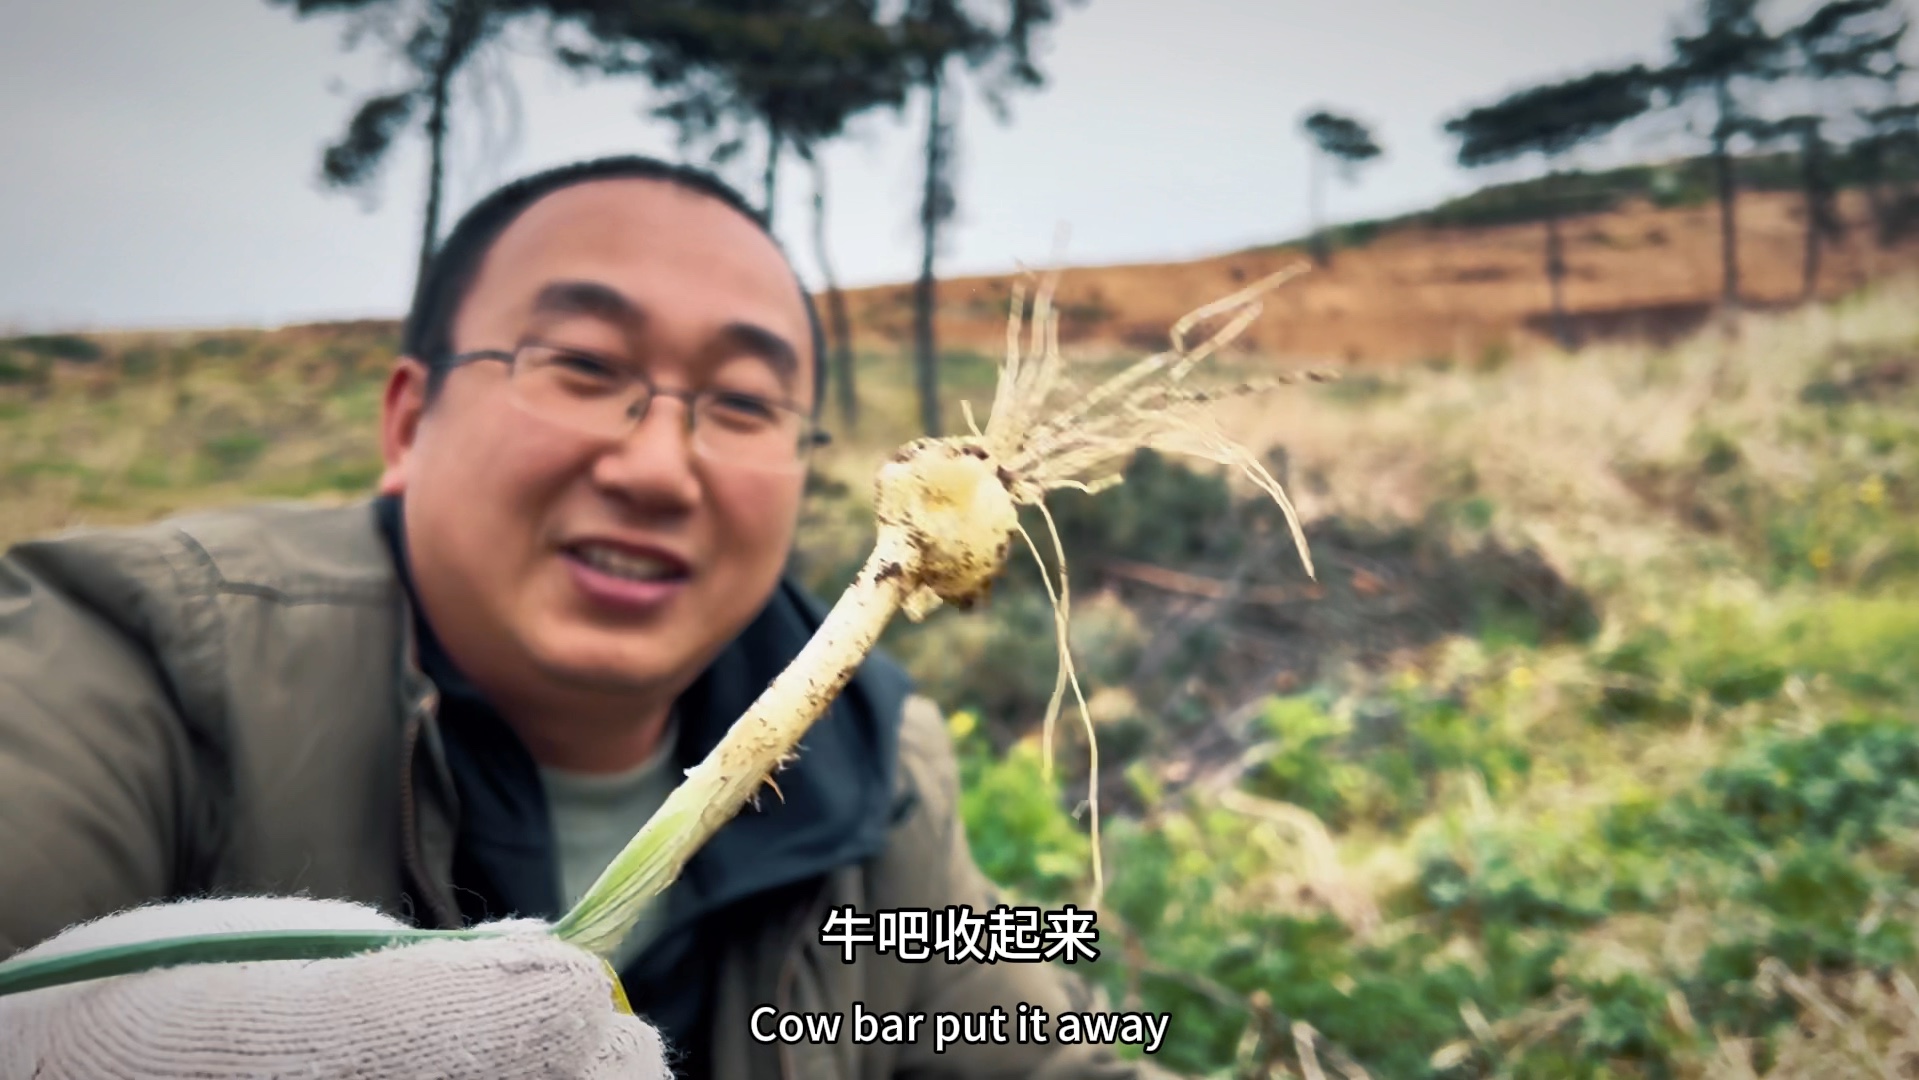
x,y
744,408
575,363
577,372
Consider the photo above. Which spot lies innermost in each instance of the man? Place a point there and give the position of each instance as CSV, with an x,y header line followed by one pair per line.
x,y
454,703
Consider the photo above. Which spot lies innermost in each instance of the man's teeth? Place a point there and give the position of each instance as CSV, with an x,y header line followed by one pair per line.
x,y
622,564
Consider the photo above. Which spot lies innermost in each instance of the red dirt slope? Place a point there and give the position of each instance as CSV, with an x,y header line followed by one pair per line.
x,y
1421,293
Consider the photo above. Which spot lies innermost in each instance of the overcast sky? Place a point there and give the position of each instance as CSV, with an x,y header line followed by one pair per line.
x,y
160,158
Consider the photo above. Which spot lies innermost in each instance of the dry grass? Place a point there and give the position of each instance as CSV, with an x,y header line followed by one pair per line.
x,y
1851,1027
164,424
1542,441
1544,437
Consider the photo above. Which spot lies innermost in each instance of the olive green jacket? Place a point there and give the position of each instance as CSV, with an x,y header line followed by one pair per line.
x,y
228,703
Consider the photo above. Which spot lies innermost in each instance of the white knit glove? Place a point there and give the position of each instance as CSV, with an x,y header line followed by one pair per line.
x,y
525,1005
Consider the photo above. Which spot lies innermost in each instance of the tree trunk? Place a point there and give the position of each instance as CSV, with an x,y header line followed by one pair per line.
x,y
1728,194
1882,195
1317,197
465,26
1556,265
774,141
932,212
1815,212
1873,178
436,164
838,324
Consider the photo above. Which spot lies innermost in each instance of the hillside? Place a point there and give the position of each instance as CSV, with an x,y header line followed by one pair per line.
x,y
1588,752
1422,292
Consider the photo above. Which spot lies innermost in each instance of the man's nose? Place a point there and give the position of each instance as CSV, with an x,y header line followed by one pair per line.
x,y
654,462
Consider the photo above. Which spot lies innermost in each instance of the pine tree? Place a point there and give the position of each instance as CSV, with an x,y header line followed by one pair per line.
x,y
1346,144
1729,48
1549,121
437,40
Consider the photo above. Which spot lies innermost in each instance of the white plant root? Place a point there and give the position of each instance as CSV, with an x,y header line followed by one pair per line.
x,y
947,510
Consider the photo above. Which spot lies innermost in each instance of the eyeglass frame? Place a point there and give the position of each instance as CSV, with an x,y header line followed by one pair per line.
x,y
811,434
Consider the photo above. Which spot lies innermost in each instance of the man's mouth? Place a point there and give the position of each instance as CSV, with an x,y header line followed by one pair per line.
x,y
627,564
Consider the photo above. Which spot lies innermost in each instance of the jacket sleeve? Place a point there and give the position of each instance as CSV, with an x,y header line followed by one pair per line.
x,y
92,755
927,750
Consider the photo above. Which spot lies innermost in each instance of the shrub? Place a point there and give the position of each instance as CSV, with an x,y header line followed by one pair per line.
x,y
1022,837
1853,782
69,347
1305,767
232,453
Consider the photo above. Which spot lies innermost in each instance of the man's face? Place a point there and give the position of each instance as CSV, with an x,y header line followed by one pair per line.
x,y
555,562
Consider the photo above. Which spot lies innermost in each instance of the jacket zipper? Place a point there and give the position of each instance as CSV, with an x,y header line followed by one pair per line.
x,y
410,815
783,985
417,710
783,998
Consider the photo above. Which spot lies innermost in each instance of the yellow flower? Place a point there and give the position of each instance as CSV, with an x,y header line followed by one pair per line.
x,y
1872,491
961,724
1820,557
1521,678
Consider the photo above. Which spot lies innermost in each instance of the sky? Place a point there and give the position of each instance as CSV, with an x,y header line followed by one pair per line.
x,y
161,161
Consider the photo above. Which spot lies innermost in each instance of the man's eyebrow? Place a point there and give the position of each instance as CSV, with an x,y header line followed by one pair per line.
x,y
593,299
588,298
758,341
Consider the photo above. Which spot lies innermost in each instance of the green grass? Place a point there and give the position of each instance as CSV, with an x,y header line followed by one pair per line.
x,y
144,425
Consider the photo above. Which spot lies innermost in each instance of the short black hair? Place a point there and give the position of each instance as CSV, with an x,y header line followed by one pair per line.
x,y
428,333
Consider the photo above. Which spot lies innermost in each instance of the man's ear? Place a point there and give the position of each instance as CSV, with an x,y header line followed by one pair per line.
x,y
401,409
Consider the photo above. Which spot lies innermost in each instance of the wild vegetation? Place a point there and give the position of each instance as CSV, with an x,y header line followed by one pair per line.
x,y
1661,831
1588,754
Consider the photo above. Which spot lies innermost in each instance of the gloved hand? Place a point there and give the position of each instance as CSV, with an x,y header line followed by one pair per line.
x,y
525,1005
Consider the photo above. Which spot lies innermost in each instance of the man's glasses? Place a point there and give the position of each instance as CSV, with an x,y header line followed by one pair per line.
x,y
596,396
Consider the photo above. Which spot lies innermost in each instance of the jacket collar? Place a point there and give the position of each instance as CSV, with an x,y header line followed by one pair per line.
x,y
838,797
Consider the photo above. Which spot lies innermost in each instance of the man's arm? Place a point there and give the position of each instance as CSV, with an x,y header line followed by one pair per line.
x,y
972,987
92,760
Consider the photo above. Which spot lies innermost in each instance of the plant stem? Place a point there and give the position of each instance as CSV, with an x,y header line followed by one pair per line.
x,y
756,744
20,976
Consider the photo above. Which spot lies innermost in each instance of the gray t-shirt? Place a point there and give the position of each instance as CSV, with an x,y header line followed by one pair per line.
x,y
595,814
